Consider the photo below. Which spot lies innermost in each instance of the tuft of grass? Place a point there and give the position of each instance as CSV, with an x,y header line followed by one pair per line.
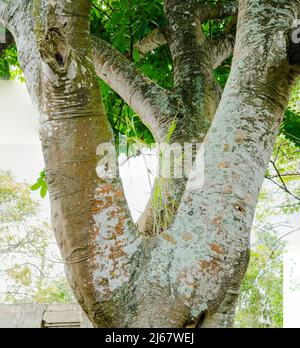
x,y
163,202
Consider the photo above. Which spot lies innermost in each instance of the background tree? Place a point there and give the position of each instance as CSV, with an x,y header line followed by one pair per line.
x,y
260,304
261,300
191,268
30,263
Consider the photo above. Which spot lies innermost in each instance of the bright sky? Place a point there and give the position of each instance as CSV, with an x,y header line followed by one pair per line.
x,y
20,152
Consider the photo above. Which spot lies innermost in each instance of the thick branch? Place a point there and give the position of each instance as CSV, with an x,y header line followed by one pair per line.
x,y
209,247
3,5
209,11
3,15
152,41
146,98
193,75
16,17
221,49
90,217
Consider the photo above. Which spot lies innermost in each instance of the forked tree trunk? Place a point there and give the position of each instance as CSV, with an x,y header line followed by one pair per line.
x,y
188,276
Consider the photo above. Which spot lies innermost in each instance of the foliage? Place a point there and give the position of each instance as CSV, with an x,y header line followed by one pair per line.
x,y
261,301
15,202
284,175
41,184
30,264
9,65
123,23
291,126
291,123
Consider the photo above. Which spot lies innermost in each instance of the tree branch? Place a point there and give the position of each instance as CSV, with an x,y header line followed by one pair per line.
x,y
209,11
152,41
12,14
3,6
221,49
143,95
283,185
90,215
3,15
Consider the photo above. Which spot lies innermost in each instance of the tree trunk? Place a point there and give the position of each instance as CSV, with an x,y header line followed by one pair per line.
x,y
189,275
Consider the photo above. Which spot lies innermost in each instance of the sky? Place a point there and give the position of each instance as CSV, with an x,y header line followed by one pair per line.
x,y
20,152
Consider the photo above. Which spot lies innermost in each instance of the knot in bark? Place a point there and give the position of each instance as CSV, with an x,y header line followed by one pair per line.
x,y
54,50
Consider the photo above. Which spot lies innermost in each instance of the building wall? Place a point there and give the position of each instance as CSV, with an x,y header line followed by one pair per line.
x,y
43,316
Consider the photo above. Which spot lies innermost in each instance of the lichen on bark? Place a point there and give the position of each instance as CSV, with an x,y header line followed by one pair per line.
x,y
189,275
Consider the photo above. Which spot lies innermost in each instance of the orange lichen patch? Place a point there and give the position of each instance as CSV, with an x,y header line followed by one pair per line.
x,y
95,232
120,225
105,197
240,136
168,238
119,194
223,165
113,214
217,220
204,264
187,236
100,205
216,248
116,251
95,210
226,147
213,265
109,239
109,199
104,189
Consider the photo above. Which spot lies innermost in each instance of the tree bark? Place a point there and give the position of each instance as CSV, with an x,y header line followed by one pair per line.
x,y
189,275
154,104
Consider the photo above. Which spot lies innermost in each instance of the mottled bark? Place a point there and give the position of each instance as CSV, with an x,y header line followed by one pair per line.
x,y
2,10
194,58
155,105
193,73
192,102
87,211
221,49
203,256
209,11
13,14
152,41
189,275
91,219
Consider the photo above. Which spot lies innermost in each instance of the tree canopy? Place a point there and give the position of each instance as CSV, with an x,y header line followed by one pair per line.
x,y
123,24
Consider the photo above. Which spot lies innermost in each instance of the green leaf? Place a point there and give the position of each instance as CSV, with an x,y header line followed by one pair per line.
x,y
43,191
36,186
